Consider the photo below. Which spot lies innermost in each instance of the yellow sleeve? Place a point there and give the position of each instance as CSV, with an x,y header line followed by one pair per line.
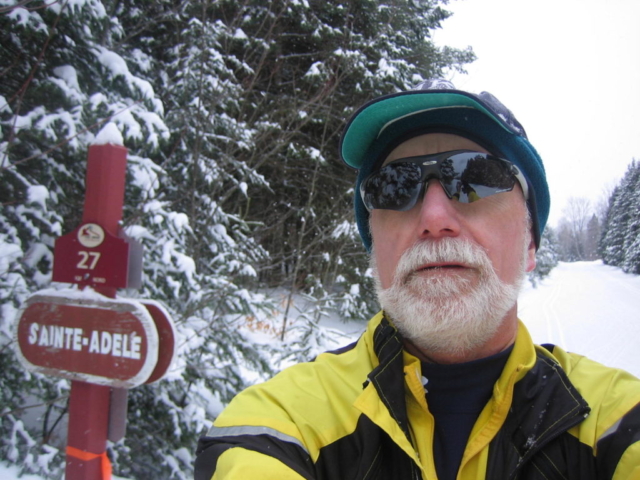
x,y
242,464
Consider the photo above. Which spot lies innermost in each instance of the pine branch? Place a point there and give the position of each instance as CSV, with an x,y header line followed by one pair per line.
x,y
68,139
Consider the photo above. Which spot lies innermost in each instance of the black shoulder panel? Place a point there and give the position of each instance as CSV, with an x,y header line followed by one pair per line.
x,y
366,454
210,449
344,349
614,443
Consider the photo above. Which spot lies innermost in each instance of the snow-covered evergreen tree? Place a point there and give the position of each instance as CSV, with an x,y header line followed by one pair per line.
x,y
200,260
546,257
307,66
64,75
631,243
619,244
593,234
69,70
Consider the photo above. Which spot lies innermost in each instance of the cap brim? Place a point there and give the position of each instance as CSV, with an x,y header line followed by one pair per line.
x,y
372,118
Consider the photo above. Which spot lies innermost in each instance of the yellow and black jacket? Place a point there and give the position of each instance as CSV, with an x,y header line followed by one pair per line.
x,y
361,413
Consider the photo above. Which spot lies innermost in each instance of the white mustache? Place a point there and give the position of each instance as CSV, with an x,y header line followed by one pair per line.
x,y
446,250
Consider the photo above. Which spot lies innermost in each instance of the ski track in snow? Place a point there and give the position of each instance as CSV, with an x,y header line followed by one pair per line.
x,y
587,308
549,310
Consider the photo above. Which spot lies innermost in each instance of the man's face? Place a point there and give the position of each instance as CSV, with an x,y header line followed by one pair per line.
x,y
495,225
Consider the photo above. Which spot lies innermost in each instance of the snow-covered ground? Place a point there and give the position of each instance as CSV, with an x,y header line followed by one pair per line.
x,y
584,307
587,308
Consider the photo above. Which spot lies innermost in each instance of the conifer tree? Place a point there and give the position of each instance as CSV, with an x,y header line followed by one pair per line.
x,y
310,64
63,77
621,220
592,238
546,257
77,73
202,259
631,243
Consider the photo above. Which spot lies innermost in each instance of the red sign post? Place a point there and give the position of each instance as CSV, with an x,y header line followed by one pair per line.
x,y
104,345
89,403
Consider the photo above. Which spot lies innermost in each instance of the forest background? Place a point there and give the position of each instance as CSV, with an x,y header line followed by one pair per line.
x,y
231,111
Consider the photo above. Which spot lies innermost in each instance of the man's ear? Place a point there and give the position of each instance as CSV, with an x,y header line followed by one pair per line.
x,y
531,256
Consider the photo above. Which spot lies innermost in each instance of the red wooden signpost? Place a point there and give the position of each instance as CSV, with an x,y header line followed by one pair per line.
x,y
104,345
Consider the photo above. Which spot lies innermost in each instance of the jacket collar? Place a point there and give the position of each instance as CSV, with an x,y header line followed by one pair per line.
x,y
545,405
388,376
533,401
383,397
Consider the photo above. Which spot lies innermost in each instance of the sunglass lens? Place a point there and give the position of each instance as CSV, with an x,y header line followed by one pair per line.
x,y
465,176
472,176
394,187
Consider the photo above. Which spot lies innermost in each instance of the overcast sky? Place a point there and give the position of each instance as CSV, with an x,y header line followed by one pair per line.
x,y
570,72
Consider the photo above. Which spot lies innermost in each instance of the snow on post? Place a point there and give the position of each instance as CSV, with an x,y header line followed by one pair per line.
x,y
109,135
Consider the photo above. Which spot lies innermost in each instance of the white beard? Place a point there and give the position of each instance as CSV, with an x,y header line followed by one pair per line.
x,y
447,313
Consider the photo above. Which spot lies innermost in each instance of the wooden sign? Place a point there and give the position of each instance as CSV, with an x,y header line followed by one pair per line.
x,y
90,255
89,338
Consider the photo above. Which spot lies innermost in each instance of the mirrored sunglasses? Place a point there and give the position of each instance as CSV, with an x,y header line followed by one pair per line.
x,y
465,175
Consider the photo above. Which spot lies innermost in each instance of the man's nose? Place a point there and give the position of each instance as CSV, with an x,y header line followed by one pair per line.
x,y
438,214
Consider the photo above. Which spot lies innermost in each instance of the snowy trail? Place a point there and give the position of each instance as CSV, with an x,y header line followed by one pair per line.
x,y
588,308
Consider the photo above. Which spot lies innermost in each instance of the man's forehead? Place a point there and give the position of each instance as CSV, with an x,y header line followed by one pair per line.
x,y
430,143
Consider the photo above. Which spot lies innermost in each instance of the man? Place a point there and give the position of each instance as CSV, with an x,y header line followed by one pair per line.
x,y
445,383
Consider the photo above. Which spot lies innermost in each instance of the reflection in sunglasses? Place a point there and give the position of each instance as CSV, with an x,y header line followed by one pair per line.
x,y
466,176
